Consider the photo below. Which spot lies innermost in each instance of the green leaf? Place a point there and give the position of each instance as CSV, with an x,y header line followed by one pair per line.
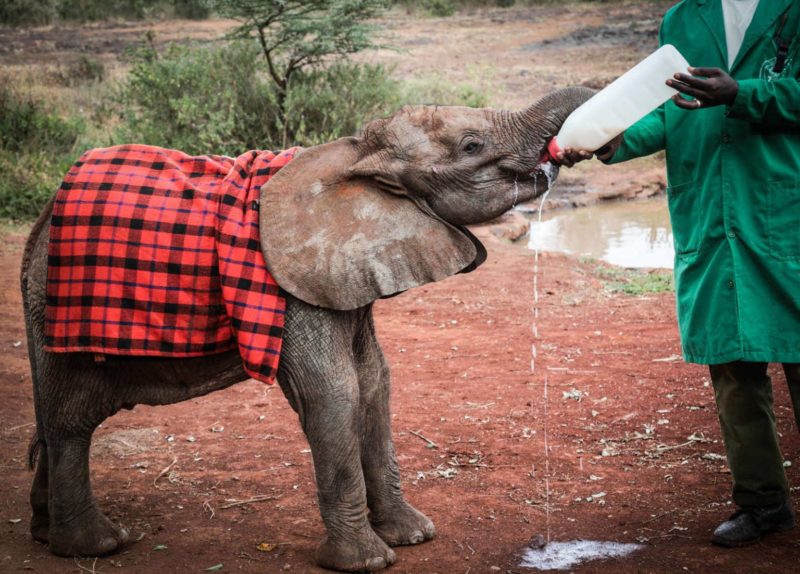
x,y
160,547
214,568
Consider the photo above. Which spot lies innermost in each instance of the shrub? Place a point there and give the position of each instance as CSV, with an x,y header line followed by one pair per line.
x,y
215,99
326,104
83,70
39,12
36,148
440,8
197,99
25,125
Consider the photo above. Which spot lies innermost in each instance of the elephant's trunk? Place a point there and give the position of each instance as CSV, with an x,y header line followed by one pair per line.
x,y
541,121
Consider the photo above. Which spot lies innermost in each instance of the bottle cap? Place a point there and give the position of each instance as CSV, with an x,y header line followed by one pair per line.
x,y
552,150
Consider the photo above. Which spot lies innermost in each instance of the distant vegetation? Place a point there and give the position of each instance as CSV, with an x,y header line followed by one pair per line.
x,y
41,12
269,86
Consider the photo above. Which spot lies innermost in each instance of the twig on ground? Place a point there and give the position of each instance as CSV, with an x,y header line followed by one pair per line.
x,y
12,429
260,498
163,472
654,518
208,508
79,565
431,444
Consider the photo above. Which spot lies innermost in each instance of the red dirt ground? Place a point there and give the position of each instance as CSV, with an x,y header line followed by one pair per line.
x,y
644,432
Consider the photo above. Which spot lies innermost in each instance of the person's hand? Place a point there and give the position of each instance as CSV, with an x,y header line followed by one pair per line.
x,y
606,152
714,88
569,157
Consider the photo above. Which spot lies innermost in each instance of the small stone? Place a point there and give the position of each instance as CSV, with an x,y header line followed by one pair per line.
x,y
537,542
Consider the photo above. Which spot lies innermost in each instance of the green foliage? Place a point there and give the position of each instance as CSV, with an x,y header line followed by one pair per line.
x,y
296,35
333,102
440,8
25,124
81,71
33,12
636,282
198,99
216,99
39,12
36,147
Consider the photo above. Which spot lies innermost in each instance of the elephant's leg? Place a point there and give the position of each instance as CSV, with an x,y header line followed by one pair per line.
x,y
75,399
395,521
319,378
40,498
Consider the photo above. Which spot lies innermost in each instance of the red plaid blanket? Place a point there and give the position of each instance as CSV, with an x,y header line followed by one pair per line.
x,y
157,253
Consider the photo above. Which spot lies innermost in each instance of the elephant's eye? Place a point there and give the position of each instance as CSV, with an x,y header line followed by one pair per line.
x,y
472,147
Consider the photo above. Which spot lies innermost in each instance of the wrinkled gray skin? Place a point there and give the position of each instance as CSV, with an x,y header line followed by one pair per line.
x,y
332,370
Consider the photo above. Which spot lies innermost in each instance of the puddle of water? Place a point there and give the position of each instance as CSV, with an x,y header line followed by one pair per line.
x,y
564,555
626,233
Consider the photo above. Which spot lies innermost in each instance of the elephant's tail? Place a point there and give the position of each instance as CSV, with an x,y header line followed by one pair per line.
x,y
33,450
38,438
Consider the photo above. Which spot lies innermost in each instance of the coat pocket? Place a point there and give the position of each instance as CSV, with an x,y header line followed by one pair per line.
x,y
683,218
783,219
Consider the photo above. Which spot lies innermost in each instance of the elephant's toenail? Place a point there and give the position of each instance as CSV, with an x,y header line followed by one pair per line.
x,y
416,537
123,535
375,564
108,545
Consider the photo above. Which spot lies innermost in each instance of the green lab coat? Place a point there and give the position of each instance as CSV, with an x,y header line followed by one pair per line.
x,y
733,177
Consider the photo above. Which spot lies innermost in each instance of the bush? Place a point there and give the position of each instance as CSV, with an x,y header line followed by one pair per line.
x,y
334,102
216,99
440,8
36,148
39,12
81,71
199,99
25,125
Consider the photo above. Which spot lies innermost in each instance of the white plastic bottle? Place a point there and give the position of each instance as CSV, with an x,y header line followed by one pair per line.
x,y
620,104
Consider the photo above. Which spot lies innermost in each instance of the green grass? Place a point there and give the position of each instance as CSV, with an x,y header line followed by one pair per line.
x,y
635,282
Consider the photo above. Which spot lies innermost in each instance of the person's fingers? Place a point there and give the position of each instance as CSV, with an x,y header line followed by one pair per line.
x,y
690,80
691,84
707,72
686,89
686,104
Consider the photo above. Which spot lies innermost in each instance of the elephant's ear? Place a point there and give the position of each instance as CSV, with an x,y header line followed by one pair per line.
x,y
332,238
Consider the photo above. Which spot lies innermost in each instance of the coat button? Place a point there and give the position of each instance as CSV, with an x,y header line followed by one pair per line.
x,y
732,235
726,138
730,284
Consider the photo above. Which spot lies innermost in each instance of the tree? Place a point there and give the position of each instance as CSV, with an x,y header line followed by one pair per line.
x,y
298,34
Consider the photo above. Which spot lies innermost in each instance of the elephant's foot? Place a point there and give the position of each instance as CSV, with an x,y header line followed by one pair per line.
x,y
366,553
40,528
403,525
90,534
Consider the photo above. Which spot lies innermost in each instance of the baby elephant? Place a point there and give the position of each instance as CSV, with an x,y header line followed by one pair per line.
x,y
154,277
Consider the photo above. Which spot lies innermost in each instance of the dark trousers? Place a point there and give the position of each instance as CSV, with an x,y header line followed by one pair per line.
x,y
743,392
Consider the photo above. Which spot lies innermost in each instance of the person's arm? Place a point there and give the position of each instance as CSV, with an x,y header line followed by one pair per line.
x,y
645,137
775,103
767,103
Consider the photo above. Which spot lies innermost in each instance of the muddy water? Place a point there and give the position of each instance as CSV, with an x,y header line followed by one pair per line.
x,y
627,233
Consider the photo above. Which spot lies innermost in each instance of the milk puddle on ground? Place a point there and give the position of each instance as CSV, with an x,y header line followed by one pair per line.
x,y
559,555
564,555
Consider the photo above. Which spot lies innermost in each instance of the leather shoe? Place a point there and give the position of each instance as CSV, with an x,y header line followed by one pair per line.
x,y
748,524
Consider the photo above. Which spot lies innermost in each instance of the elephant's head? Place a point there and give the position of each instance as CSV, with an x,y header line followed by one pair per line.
x,y
366,217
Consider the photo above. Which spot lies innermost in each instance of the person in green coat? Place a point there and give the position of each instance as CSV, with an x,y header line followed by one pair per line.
x,y
732,141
